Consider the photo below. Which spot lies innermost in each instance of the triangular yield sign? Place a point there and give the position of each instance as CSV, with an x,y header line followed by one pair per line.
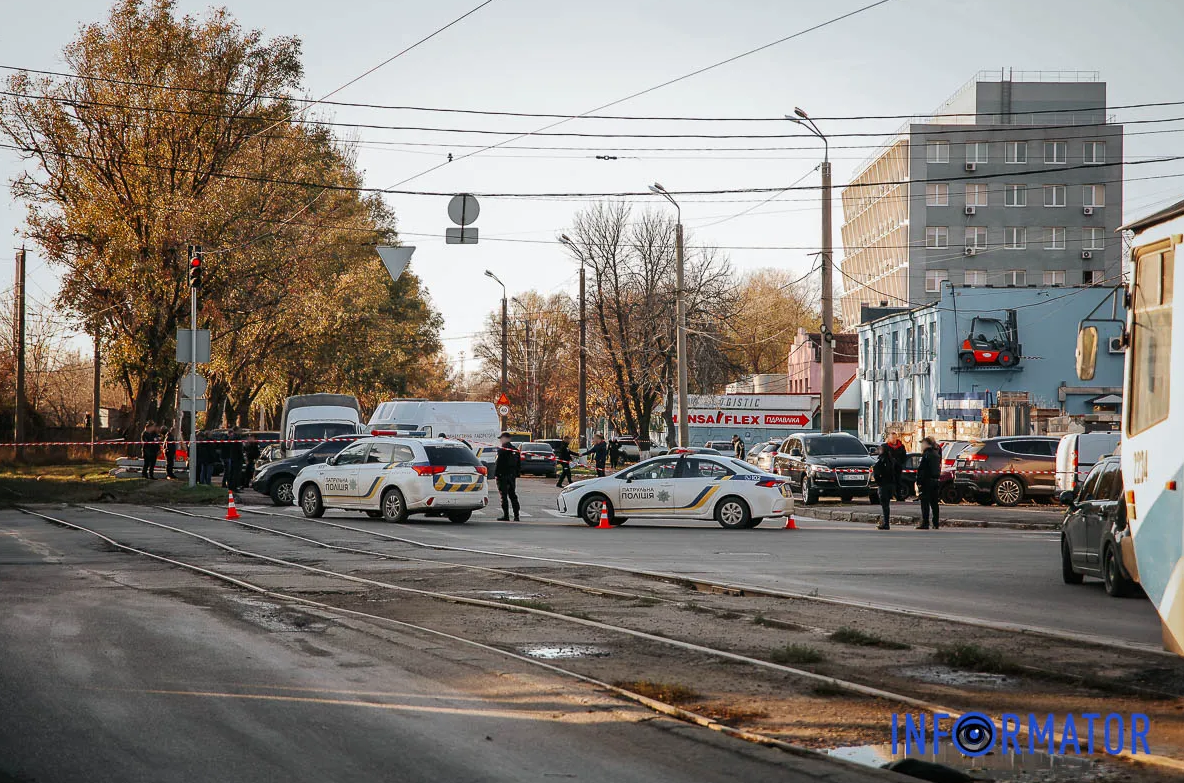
x,y
503,400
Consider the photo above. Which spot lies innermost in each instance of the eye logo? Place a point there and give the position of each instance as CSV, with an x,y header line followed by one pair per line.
x,y
974,734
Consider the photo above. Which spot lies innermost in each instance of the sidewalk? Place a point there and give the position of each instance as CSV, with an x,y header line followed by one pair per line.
x,y
957,515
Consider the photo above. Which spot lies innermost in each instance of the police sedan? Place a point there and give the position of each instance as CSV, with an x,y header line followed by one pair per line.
x,y
393,477
684,486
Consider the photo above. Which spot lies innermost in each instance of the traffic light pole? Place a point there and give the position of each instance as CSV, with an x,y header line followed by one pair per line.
x,y
191,462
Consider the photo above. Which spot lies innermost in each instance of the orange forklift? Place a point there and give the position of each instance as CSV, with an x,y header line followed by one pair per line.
x,y
991,343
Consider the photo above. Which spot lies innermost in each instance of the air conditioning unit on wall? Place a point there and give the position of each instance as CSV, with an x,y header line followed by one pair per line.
x,y
969,210
971,166
1087,210
1115,345
1086,255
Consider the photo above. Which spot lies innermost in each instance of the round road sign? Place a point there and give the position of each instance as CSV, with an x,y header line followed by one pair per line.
x,y
463,209
503,410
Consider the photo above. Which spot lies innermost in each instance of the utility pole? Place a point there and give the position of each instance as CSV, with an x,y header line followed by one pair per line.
x,y
583,390
195,270
505,333
827,392
95,399
684,426
19,430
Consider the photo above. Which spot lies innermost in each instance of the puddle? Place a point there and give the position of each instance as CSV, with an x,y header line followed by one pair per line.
x,y
1027,768
509,595
554,652
944,675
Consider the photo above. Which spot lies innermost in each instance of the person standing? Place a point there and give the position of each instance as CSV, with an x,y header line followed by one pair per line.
x,y
599,453
928,481
900,456
149,447
170,451
235,472
738,446
505,472
563,456
251,453
206,455
884,475
614,452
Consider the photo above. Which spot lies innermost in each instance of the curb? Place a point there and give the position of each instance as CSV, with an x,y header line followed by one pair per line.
x,y
872,518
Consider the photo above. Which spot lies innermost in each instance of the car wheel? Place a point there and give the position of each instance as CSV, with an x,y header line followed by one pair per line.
x,y
590,510
1116,584
732,513
459,517
809,492
1068,575
967,359
394,506
949,493
281,491
310,501
1008,491
374,514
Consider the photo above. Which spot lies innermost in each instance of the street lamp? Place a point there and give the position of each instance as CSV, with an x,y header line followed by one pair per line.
x,y
684,432
827,394
583,390
495,279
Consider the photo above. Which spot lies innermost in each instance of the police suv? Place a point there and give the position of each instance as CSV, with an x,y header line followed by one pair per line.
x,y
393,477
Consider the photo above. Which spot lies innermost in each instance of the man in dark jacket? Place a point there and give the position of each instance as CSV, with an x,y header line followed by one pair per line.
x,y
885,477
899,455
505,473
563,456
738,446
928,481
614,452
149,448
599,452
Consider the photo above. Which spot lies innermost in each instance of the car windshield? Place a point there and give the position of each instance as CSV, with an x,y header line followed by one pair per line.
x,y
539,447
304,434
835,446
451,456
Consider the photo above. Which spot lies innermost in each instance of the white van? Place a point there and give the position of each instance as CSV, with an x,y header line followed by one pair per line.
x,y
1077,453
308,419
477,423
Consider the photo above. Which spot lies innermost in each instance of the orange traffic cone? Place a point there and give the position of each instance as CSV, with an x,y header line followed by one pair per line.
x,y
231,511
790,524
603,517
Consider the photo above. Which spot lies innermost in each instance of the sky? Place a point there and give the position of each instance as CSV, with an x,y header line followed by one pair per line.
x,y
903,57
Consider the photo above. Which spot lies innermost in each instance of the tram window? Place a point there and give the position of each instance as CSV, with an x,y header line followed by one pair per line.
x,y
1151,340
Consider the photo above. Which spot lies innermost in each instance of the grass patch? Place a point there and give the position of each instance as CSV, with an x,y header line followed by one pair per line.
x,y
796,653
769,622
857,638
732,716
971,657
646,602
828,690
91,482
671,693
528,603
690,606
581,616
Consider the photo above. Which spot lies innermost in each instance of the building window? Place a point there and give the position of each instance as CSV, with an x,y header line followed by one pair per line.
x,y
937,152
975,277
1015,152
894,357
976,152
1015,195
1150,359
937,236
937,194
1015,237
933,280
1093,195
1056,152
1054,195
1054,238
1091,277
1093,152
1016,277
908,343
976,236
976,194
1093,238
1054,277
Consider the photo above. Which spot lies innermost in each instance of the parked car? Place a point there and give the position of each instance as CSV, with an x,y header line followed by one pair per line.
x,y
872,448
696,450
1006,470
630,451
274,478
538,458
761,455
949,491
1079,452
1095,538
832,464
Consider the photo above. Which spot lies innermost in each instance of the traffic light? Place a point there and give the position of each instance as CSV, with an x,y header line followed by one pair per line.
x,y
195,271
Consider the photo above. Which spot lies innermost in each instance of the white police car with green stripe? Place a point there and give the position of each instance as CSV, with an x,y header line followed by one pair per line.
x,y
392,478
687,486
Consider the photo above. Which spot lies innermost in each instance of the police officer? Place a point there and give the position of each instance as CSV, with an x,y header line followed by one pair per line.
x,y
564,456
149,448
928,482
505,473
599,452
884,476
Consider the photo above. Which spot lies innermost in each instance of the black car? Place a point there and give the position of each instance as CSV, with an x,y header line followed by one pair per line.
x,y
538,458
275,478
1095,538
834,464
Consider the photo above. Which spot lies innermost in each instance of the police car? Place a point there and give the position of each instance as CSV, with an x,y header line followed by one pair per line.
x,y
393,477
686,486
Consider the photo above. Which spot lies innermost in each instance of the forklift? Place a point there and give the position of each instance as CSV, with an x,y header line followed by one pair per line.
x,y
991,343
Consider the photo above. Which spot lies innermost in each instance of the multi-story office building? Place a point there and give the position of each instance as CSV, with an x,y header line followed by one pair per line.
x,y
1016,181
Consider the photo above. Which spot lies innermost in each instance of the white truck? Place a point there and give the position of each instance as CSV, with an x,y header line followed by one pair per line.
x,y
476,423
309,419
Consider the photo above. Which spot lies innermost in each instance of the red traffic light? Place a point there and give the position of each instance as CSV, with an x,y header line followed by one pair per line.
x,y
195,272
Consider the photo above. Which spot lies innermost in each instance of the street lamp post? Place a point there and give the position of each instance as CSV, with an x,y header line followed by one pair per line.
x,y
684,432
828,318
583,390
495,279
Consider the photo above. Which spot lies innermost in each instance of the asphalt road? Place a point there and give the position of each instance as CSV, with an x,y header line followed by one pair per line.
x,y
116,668
990,574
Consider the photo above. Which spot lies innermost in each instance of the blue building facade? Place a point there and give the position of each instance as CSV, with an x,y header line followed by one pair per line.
x,y
909,366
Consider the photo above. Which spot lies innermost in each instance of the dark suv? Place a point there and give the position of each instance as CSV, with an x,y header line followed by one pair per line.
x,y
834,464
275,478
1006,470
1095,539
